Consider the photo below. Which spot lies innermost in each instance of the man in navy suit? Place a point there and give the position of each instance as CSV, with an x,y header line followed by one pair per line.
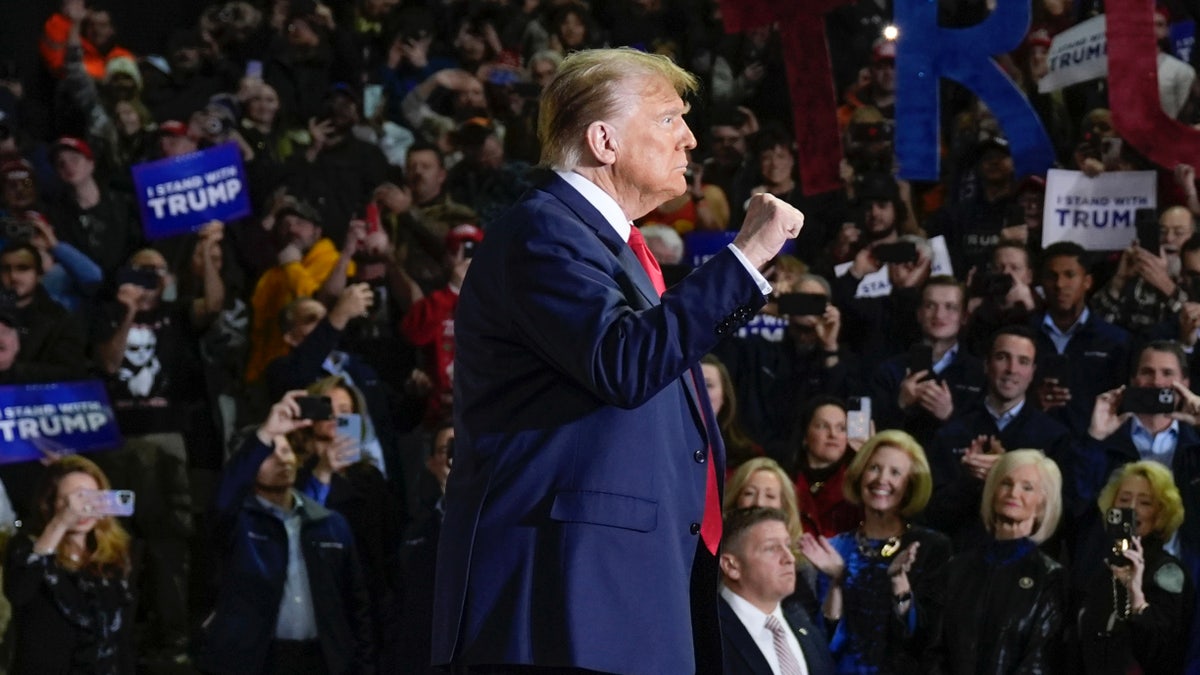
x,y
758,570
586,453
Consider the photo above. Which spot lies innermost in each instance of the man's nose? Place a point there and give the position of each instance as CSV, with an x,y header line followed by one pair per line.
x,y
689,139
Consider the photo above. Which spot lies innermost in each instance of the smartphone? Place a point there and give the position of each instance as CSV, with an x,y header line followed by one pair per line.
x,y
989,284
254,69
920,357
1056,367
896,252
858,417
315,407
372,100
468,249
349,425
1146,222
1149,400
1119,527
144,278
802,304
110,502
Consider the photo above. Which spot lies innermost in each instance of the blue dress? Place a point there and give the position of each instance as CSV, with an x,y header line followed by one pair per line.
x,y
871,638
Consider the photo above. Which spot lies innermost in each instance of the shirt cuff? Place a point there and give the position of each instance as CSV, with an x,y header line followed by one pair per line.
x,y
763,284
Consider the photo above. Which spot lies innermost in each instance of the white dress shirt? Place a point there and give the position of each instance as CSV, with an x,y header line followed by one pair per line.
x,y
756,625
608,207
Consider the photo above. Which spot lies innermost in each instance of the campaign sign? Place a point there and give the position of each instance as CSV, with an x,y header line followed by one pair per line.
x,y
1096,213
179,194
1183,39
878,284
700,246
1076,55
62,417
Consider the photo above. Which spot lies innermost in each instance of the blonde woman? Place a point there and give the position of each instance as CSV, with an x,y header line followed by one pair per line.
x,y
1136,613
882,581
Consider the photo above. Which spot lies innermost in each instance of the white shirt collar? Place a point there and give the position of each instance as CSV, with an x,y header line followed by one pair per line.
x,y
604,203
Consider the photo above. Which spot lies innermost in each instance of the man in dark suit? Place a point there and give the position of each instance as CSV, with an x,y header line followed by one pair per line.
x,y
1005,418
587,459
758,569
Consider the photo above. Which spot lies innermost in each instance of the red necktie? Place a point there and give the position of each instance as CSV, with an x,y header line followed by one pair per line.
x,y
710,527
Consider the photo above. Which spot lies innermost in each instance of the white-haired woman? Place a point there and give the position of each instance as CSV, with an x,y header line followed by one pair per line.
x,y
1004,604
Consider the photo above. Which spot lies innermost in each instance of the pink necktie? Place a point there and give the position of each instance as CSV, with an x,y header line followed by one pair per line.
x,y
787,660
710,527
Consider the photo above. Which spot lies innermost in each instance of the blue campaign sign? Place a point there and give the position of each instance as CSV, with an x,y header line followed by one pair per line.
x,y
62,417
700,246
1183,39
179,194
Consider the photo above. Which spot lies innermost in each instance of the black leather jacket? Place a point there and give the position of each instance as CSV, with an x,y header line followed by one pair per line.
x,y
1004,611
1154,641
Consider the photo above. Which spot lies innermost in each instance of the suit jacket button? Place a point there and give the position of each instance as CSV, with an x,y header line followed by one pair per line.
x,y
700,456
695,528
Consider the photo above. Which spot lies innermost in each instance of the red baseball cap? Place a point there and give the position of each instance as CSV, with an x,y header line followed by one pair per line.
x,y
461,233
71,143
173,128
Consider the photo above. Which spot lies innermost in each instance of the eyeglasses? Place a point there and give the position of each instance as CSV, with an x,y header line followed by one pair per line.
x,y
18,267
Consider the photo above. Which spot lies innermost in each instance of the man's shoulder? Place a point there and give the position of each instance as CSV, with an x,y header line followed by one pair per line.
x,y
1098,328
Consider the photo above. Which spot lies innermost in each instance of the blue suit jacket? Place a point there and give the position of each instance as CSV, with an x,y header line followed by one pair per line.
x,y
579,470
743,657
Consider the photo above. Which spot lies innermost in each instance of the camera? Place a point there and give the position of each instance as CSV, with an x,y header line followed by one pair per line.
x,y
1119,526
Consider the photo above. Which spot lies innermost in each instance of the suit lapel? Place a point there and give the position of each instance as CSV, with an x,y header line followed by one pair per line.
x,y
641,281
594,220
735,635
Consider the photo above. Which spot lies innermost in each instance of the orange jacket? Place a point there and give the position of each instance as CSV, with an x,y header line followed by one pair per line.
x,y
54,49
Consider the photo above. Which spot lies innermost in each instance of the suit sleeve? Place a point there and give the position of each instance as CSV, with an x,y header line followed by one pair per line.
x,y
576,313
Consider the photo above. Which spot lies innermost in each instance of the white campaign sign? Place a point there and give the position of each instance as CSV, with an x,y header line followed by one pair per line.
x,y
1096,213
878,284
1076,55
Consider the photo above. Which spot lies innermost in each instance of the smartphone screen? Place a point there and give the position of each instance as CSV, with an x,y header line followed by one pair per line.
x,y
254,69
372,100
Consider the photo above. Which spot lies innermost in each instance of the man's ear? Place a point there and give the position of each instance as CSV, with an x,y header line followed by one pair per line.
x,y
601,142
729,566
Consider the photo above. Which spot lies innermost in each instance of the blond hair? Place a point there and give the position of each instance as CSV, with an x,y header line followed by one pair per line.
x,y
1162,486
1050,479
787,492
920,480
593,85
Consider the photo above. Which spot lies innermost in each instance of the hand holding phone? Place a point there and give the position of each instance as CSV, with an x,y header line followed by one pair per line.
x,y
1148,400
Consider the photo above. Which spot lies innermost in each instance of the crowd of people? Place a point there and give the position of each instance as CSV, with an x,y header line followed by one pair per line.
x,y
923,452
